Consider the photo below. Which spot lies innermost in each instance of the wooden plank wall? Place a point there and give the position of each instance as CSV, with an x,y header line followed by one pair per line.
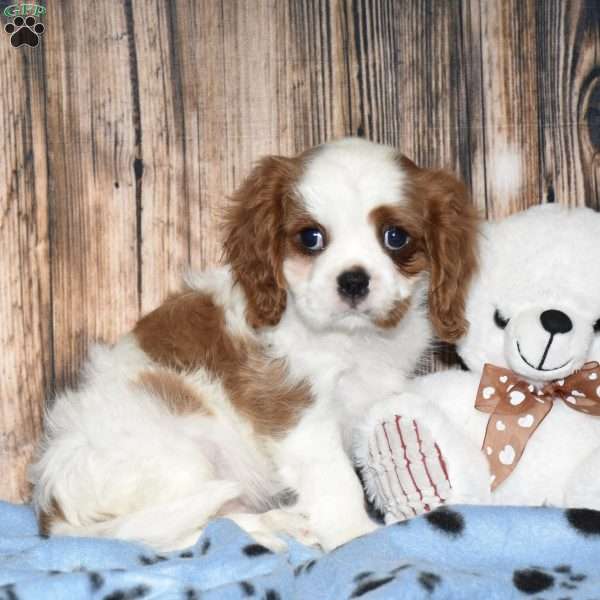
x,y
123,132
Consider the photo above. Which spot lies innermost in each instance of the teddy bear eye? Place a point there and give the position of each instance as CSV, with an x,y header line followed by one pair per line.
x,y
500,321
597,326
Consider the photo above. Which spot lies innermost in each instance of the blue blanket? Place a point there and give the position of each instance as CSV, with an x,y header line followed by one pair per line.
x,y
458,552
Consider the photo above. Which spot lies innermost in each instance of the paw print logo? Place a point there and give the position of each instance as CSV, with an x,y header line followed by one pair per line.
x,y
24,31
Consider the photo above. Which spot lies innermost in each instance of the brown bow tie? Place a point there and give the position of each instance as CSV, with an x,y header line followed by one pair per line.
x,y
517,408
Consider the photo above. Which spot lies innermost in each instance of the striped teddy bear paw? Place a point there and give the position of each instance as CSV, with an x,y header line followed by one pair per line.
x,y
404,469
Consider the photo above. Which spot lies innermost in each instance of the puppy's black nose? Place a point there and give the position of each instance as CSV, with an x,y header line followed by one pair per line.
x,y
354,284
555,321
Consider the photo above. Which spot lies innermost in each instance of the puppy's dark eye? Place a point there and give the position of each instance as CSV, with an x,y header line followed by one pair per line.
x,y
597,326
500,321
395,238
312,239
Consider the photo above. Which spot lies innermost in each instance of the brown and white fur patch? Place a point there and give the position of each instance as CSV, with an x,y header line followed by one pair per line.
x,y
250,382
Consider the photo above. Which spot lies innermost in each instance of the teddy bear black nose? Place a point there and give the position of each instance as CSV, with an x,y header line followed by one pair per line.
x,y
353,284
555,321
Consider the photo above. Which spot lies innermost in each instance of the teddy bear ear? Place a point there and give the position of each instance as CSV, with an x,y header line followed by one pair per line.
x,y
450,230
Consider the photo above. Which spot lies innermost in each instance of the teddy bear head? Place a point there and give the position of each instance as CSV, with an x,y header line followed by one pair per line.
x,y
534,307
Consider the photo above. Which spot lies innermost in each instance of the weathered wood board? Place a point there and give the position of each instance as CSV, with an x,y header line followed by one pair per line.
x,y
124,130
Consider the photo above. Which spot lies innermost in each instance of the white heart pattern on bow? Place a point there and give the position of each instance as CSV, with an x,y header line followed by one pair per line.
x,y
488,392
516,397
507,456
526,421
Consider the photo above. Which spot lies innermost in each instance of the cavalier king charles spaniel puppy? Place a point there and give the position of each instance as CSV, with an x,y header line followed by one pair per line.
x,y
238,397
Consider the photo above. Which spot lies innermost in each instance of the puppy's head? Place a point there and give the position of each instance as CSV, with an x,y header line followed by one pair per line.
x,y
348,232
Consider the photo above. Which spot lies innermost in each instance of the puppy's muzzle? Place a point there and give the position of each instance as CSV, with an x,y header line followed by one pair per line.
x,y
353,285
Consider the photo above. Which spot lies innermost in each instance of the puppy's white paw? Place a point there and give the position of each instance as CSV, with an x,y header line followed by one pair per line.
x,y
269,540
294,524
266,528
337,537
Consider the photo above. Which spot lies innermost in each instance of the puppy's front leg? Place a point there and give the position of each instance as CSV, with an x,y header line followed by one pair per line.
x,y
313,463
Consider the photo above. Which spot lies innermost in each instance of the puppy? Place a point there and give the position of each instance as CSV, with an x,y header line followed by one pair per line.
x,y
245,388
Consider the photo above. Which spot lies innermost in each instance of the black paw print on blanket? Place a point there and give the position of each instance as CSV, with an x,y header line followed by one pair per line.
x,y
24,31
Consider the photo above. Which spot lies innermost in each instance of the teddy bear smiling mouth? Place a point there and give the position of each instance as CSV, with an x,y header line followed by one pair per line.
x,y
539,368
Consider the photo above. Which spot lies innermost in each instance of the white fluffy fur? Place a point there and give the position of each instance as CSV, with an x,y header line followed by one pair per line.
x,y
544,258
119,464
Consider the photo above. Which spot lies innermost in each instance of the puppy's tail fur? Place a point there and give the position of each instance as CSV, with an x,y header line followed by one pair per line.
x,y
165,527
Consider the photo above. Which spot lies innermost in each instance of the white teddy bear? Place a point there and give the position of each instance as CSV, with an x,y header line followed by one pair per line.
x,y
534,320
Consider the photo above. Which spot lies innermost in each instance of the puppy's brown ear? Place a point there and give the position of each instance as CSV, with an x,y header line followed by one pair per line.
x,y
255,237
450,239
